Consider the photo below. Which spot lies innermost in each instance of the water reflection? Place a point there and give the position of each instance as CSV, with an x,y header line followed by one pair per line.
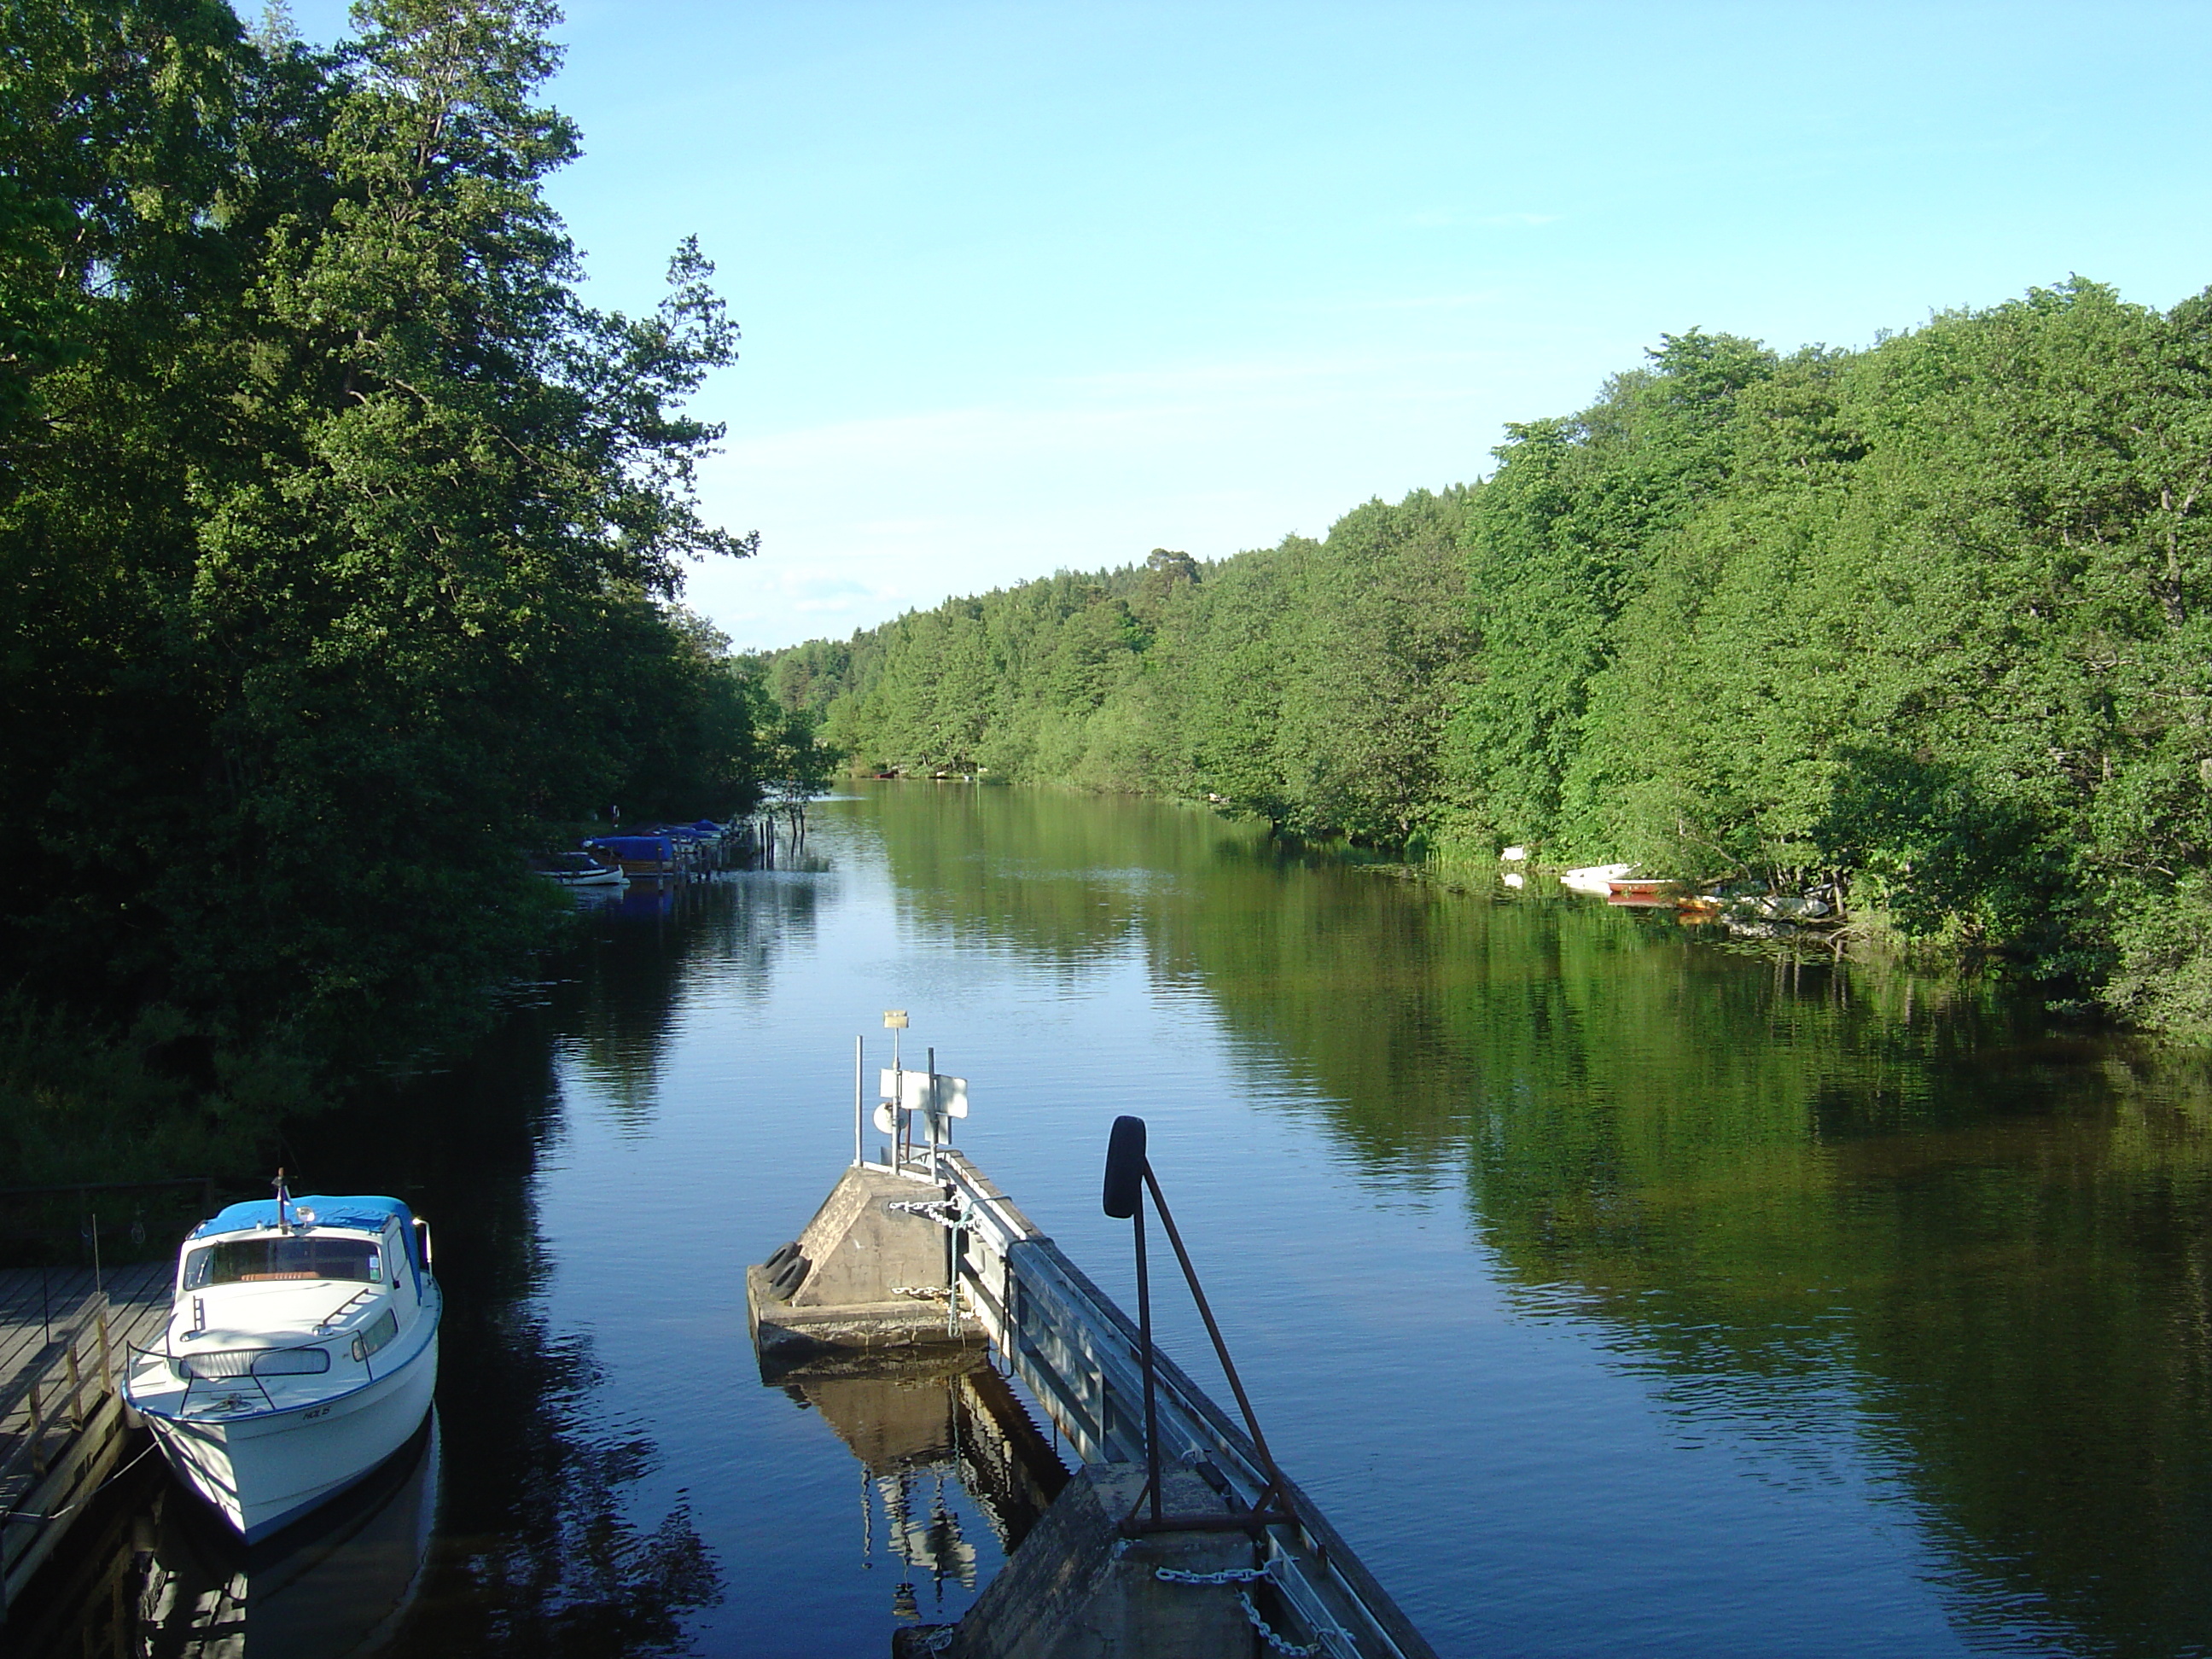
x,y
542,1545
934,1437
1775,1181
1672,1299
1804,1199
333,1587
679,943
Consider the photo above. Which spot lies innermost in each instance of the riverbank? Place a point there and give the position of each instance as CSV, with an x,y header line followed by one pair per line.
x,y
1750,610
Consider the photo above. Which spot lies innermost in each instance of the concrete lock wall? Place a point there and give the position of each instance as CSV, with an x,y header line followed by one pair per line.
x,y
862,1276
1076,1589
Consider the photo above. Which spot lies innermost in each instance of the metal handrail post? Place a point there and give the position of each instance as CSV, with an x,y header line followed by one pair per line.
x,y
1144,1343
1220,1347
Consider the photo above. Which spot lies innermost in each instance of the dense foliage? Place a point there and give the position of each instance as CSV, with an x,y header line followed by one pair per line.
x,y
1928,619
340,544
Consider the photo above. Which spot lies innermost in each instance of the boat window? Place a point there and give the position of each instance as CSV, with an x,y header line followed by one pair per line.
x,y
256,1362
378,1332
295,1256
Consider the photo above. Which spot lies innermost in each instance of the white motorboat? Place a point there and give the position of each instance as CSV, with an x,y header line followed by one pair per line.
x,y
1596,878
301,1352
580,870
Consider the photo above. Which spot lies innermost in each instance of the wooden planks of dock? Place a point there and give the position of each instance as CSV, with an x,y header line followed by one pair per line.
x,y
64,1344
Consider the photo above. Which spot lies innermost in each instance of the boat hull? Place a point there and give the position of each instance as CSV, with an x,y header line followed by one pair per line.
x,y
261,1472
595,878
1595,878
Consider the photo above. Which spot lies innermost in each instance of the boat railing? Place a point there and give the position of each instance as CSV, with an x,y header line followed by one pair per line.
x,y
230,1370
1079,1355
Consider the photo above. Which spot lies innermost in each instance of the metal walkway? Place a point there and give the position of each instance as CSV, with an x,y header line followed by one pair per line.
x,y
1077,1354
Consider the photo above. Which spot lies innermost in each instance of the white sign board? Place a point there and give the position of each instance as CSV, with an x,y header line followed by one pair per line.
x,y
910,1090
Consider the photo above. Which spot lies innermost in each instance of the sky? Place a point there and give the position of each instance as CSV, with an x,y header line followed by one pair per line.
x,y
1044,286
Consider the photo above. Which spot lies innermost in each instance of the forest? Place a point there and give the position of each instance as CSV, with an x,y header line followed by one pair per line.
x,y
342,546
1926,620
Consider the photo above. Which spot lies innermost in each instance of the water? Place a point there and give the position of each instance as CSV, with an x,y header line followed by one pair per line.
x,y
1614,1292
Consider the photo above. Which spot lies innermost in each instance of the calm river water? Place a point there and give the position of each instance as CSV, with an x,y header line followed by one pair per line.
x,y
1615,1292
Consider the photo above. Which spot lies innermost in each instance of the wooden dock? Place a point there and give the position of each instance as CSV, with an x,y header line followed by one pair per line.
x,y
64,1349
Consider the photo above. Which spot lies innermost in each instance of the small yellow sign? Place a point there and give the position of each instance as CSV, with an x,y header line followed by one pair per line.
x,y
894,1019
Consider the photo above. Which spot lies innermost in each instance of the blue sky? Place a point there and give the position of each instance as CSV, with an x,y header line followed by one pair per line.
x,y
1034,286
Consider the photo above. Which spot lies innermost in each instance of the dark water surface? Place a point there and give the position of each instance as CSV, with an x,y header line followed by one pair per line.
x,y
1616,1293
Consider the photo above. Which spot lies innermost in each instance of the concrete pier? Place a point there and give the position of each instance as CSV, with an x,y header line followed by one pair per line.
x,y
1078,1588
871,1273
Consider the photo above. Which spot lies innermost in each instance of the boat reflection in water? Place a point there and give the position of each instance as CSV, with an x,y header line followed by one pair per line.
x,y
336,1585
926,1432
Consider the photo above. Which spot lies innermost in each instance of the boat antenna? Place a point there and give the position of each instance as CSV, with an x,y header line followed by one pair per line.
x,y
282,1197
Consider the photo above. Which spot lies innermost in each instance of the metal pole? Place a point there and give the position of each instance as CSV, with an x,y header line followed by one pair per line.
x,y
1145,1339
930,1120
952,1280
858,1076
1220,1347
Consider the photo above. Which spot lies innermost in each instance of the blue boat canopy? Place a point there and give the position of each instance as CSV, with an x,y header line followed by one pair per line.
x,y
369,1213
636,846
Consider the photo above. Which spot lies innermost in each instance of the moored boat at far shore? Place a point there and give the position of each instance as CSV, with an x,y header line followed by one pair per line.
x,y
1596,878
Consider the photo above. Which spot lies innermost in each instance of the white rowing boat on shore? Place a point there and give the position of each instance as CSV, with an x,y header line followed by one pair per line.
x,y
1596,878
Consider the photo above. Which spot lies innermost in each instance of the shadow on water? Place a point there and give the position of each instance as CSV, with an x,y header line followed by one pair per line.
x,y
535,1550
164,1578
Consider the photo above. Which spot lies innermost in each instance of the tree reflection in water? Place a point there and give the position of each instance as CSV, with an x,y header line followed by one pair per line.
x,y
1854,1215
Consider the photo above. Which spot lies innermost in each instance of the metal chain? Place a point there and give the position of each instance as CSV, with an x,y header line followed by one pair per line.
x,y
1241,1575
1227,1576
946,1213
1281,1644
935,1641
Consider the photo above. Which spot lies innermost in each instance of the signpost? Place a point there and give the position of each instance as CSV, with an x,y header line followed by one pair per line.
x,y
905,1098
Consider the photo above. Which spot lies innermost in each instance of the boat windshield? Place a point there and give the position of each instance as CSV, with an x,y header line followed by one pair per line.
x,y
295,1256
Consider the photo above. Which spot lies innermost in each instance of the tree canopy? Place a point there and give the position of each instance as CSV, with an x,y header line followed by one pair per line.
x,y
1927,619
342,542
